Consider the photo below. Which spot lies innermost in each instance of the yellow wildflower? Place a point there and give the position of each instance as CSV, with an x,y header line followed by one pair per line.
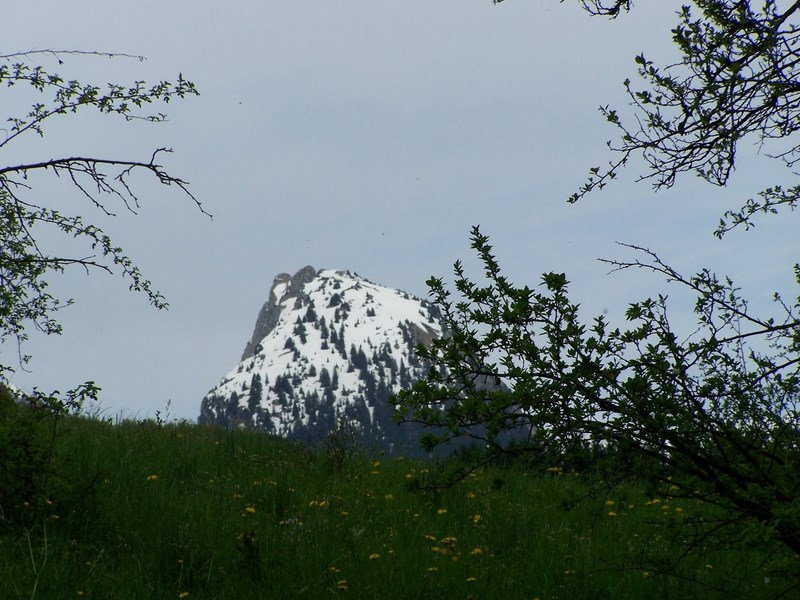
x,y
374,556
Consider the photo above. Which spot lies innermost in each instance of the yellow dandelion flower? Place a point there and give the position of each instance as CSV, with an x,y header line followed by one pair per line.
x,y
388,497
441,511
374,556
152,477
610,503
611,513
449,540
431,570
429,537
471,579
476,518
183,595
476,551
250,509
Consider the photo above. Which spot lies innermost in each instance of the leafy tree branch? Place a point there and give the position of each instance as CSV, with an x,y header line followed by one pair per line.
x,y
737,79
25,266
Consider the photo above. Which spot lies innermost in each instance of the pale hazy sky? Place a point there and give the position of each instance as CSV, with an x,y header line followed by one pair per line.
x,y
360,136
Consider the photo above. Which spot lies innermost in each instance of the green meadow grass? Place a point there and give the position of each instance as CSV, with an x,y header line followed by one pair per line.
x,y
141,510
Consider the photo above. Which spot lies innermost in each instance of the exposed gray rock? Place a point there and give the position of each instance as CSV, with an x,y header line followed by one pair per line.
x,y
287,287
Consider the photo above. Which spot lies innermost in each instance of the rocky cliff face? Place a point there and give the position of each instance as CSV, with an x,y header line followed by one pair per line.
x,y
283,287
327,347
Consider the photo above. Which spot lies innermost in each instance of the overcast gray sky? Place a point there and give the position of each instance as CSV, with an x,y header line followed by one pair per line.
x,y
360,136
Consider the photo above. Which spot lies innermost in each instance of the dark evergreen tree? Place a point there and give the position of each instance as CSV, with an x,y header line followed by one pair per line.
x,y
325,378
323,328
232,410
340,342
300,331
254,396
311,315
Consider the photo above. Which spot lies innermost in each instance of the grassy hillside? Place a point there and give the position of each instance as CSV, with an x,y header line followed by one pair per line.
x,y
146,510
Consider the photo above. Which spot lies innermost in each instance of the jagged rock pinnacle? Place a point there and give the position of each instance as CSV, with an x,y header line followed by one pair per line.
x,y
283,286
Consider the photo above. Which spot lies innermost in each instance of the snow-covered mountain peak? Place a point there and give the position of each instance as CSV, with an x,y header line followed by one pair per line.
x,y
327,345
